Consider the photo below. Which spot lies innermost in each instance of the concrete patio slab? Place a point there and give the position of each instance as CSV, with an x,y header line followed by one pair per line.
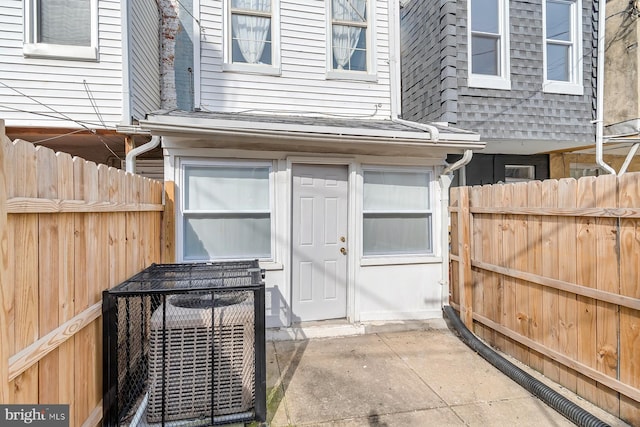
x,y
424,377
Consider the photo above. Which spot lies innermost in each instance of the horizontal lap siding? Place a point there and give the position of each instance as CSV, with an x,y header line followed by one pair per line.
x,y
58,84
144,58
302,85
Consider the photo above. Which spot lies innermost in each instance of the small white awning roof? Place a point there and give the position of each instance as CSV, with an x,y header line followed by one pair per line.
x,y
311,134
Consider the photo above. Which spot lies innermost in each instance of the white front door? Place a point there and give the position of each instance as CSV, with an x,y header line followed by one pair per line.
x,y
319,273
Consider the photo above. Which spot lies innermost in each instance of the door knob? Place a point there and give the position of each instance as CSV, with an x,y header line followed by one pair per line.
x,y
343,251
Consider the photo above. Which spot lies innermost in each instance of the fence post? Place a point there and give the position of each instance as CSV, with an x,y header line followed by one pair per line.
x,y
4,265
464,252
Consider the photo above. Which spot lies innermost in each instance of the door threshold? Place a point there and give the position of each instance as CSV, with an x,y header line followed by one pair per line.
x,y
316,329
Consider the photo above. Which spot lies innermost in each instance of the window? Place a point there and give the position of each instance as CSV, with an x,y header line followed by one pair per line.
x,y
489,44
578,170
252,36
519,173
349,45
397,215
226,211
563,67
64,29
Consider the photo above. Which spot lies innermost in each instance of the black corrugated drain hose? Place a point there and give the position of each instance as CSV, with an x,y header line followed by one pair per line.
x,y
543,392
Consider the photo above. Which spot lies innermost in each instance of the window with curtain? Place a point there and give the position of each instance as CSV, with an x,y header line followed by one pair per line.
x,y
349,22
562,29
489,43
251,38
397,214
226,211
61,28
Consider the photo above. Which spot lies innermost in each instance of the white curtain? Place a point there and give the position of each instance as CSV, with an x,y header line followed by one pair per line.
x,y
345,38
251,31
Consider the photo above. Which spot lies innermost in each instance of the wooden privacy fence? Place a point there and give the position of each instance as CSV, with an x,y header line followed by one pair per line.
x,y
68,230
549,272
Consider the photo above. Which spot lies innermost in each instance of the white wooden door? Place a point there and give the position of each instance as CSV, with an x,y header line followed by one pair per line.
x,y
319,246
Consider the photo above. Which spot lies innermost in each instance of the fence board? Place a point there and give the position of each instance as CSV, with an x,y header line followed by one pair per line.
x,y
607,280
586,276
6,295
66,351
508,313
49,253
550,268
630,286
534,263
567,304
454,200
480,278
497,254
26,273
465,273
521,292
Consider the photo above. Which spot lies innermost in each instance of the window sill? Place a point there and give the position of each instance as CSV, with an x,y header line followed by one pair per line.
x,y
489,82
54,51
271,266
399,260
262,69
562,88
351,76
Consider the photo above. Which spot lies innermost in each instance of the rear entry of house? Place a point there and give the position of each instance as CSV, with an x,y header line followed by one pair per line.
x,y
319,242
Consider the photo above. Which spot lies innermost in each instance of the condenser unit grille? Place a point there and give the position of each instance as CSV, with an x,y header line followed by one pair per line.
x,y
181,350
191,350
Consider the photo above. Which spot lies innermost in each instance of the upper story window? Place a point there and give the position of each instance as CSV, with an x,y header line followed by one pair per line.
x,y
252,43
489,44
66,29
350,44
562,28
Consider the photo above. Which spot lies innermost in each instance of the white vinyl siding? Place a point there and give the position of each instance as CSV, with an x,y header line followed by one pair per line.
x,y
397,212
562,23
144,51
57,86
302,85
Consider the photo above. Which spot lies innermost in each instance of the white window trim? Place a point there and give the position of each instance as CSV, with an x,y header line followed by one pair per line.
x,y
371,74
32,48
574,86
185,163
264,69
404,258
503,81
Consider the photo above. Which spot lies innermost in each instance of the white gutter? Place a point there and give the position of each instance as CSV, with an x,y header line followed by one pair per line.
x,y
434,133
466,158
600,90
130,160
445,183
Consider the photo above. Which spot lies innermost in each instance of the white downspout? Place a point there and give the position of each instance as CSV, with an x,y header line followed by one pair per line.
x,y
600,90
130,160
396,76
445,184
